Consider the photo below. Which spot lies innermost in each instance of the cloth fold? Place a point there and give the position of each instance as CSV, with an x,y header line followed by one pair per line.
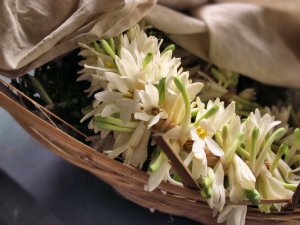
x,y
258,38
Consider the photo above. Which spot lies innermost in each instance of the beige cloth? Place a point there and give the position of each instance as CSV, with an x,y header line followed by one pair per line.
x,y
258,38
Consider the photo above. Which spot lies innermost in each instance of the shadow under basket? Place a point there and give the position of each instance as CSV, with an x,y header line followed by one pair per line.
x,y
128,181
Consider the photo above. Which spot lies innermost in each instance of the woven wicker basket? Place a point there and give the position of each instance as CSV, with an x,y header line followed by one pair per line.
x,y
128,181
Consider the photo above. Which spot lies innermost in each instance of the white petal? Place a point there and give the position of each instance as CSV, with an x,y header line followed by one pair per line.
x,y
157,177
152,91
142,116
109,110
207,125
225,214
213,146
140,153
127,108
118,83
199,167
117,151
137,135
194,89
154,121
107,96
172,181
198,146
188,159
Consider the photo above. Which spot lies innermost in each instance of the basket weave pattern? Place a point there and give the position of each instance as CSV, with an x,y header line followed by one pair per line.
x,y
129,181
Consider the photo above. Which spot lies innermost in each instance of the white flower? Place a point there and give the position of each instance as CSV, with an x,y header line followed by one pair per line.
x,y
173,101
217,201
136,141
222,116
241,178
163,172
271,188
265,125
136,38
151,112
201,140
233,215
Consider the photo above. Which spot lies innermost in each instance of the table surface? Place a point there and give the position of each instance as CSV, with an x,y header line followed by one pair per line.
x,y
61,191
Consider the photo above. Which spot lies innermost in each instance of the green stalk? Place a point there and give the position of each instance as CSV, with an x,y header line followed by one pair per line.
x,y
253,195
291,187
282,149
219,139
225,137
206,186
212,111
267,147
108,49
148,58
170,47
187,116
233,148
242,152
161,90
112,44
154,166
96,46
253,150
115,122
112,127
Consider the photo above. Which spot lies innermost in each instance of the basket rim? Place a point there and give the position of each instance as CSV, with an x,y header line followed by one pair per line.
x,y
92,155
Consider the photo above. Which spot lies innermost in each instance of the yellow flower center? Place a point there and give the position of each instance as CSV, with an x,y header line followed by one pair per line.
x,y
109,65
201,132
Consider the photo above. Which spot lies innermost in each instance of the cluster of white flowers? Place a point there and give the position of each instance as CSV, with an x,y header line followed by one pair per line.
x,y
141,92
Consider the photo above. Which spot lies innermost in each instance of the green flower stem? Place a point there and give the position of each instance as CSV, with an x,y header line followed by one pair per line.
x,y
161,90
194,113
212,111
295,146
110,123
41,90
282,149
253,150
225,137
111,127
148,58
253,195
206,186
233,148
187,116
112,44
291,187
170,47
108,49
267,147
155,164
219,139
96,46
242,152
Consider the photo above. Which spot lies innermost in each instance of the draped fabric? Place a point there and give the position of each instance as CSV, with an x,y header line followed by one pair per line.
x,y
257,38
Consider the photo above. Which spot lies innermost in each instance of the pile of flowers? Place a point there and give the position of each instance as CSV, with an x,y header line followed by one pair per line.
x,y
141,92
